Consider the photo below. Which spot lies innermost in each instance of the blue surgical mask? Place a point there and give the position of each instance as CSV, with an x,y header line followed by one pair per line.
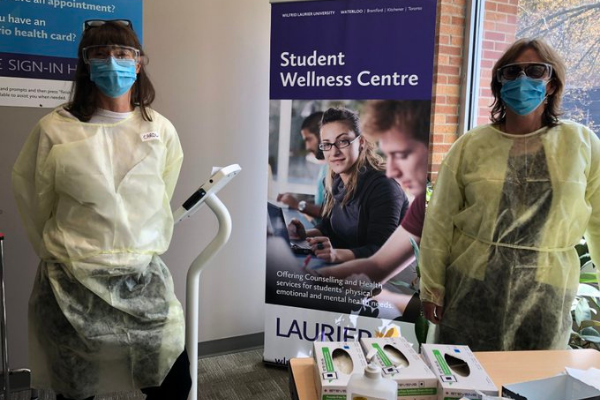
x,y
114,77
523,95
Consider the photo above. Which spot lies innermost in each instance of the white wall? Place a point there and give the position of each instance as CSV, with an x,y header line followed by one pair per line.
x,y
209,61
209,64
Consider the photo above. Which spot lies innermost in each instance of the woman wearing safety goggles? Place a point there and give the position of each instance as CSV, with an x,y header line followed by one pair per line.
x,y
93,184
498,261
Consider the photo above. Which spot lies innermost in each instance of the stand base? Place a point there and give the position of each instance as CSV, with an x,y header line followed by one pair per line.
x,y
19,380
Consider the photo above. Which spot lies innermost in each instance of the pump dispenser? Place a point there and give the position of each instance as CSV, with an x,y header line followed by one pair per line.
x,y
371,385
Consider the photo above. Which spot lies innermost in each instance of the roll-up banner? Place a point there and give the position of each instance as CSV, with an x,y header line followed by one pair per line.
x,y
38,45
331,62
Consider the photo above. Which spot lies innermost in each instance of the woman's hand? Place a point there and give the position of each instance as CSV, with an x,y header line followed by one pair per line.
x,y
433,312
296,230
323,249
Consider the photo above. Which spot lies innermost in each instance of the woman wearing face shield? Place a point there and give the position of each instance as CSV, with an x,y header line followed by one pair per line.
x,y
93,184
362,207
498,262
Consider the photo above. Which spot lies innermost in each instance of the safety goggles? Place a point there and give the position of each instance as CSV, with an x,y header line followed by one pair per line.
x,y
105,52
340,144
94,23
533,70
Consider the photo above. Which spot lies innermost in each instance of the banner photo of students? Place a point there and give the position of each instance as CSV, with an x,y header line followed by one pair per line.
x,y
350,89
38,45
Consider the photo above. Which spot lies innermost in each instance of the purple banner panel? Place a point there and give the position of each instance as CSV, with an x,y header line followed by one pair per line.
x,y
352,49
16,65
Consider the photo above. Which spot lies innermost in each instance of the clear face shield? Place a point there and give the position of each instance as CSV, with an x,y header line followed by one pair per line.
x,y
103,53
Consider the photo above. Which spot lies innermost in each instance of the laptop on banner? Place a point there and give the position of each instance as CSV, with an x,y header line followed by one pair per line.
x,y
279,228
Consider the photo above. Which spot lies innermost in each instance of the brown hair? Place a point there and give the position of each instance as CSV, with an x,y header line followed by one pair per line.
x,y
367,158
84,96
557,80
409,116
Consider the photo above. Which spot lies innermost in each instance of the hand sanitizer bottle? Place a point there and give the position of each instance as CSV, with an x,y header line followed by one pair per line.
x,y
371,385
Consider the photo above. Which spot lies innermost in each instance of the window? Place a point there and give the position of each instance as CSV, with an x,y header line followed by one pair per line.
x,y
571,27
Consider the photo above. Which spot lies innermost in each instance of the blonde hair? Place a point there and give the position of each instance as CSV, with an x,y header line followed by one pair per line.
x,y
367,158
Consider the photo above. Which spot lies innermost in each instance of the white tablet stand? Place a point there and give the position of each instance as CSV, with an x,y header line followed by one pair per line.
x,y
205,194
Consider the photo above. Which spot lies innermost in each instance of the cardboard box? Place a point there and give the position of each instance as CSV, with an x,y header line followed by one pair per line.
x,y
400,362
459,373
562,387
332,371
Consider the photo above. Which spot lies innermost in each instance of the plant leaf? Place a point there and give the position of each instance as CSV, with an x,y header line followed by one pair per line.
x,y
421,328
582,249
587,277
582,311
587,290
588,266
590,331
415,248
591,339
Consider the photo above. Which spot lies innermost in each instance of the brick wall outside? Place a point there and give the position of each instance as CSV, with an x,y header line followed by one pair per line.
x,y
500,25
499,31
448,59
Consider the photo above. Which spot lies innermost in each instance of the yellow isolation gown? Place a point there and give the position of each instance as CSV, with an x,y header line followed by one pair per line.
x,y
497,250
94,199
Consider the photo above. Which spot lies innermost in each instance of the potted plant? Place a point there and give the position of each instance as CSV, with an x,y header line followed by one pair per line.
x,y
584,310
